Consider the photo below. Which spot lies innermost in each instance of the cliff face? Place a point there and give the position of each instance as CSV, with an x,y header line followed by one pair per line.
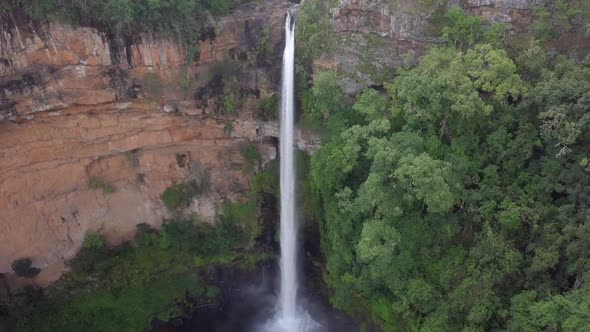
x,y
86,114
136,115
375,36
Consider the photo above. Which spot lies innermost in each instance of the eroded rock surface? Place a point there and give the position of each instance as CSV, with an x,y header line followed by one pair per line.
x,y
79,106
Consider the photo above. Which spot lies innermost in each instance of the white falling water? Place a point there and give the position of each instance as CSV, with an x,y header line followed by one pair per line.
x,y
289,317
288,295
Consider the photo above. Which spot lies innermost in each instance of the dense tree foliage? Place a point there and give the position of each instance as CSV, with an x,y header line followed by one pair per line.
x,y
314,33
22,268
460,200
124,288
556,18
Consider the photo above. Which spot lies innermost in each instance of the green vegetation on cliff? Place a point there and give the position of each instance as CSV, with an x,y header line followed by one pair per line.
x,y
314,33
554,18
182,19
124,288
459,199
96,183
162,274
22,268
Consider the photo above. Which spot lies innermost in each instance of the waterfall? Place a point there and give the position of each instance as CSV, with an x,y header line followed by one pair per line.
x,y
289,317
288,292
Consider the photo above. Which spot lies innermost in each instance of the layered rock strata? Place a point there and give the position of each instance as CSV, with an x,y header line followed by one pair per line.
x,y
94,128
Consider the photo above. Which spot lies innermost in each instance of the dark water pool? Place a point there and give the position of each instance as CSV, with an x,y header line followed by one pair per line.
x,y
248,298
248,302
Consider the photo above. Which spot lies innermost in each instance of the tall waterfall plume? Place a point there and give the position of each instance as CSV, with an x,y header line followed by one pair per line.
x,y
290,317
288,292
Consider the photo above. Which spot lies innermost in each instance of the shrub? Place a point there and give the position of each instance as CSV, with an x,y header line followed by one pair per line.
x,y
179,195
268,110
181,160
328,97
251,156
229,103
152,85
238,225
125,287
132,158
94,241
97,183
199,238
22,267
93,250
173,197
182,19
463,30
267,181
557,17
322,101
263,46
314,31
226,69
228,128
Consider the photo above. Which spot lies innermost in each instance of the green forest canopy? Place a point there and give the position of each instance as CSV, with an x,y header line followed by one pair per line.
x,y
459,199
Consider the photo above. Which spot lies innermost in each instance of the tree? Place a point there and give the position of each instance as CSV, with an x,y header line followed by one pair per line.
x,y
449,204
463,30
326,96
23,268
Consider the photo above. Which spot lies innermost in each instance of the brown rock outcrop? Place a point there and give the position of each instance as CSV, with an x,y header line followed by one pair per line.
x,y
374,37
47,163
84,107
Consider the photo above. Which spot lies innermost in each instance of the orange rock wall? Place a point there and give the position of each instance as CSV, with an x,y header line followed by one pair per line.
x,y
76,104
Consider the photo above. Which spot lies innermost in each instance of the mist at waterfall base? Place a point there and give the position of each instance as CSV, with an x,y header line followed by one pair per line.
x,y
260,301
248,303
